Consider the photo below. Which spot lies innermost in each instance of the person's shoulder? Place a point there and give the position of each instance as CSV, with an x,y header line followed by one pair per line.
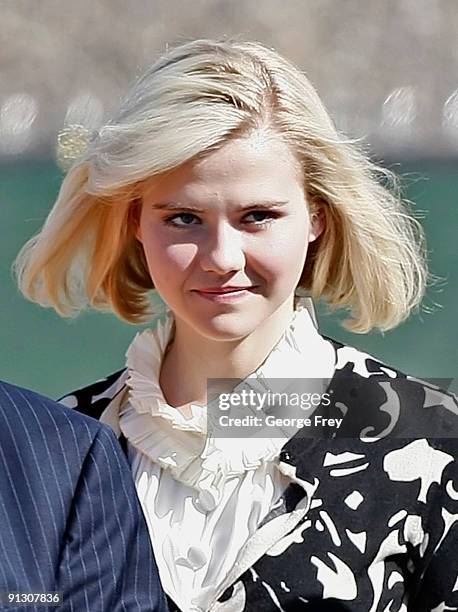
x,y
350,359
38,417
92,399
380,393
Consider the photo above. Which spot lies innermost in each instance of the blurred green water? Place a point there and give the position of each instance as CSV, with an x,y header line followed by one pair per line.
x,y
41,351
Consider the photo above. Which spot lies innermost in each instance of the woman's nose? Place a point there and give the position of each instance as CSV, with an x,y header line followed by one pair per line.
x,y
222,251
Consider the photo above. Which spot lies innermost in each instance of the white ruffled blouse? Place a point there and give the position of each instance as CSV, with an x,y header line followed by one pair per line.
x,y
204,497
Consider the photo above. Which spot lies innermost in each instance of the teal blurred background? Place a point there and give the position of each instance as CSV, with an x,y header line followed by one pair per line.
x,y
53,355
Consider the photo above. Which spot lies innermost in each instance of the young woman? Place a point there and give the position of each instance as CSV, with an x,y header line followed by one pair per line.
x,y
222,184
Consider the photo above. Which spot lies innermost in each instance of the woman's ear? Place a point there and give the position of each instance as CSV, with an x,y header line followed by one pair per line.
x,y
317,223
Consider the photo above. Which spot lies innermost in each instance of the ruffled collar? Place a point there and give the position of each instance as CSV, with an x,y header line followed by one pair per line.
x,y
181,445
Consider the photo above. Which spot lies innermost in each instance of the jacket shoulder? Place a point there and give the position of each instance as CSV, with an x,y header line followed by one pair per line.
x,y
24,410
95,397
368,388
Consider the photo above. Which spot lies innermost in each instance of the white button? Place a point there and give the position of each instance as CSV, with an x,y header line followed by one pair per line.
x,y
205,502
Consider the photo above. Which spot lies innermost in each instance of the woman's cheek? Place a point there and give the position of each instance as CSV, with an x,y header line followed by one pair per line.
x,y
180,256
286,253
168,264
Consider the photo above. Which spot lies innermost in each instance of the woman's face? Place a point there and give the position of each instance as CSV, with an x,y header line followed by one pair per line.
x,y
238,218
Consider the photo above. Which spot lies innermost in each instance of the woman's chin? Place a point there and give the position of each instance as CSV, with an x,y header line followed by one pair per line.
x,y
228,326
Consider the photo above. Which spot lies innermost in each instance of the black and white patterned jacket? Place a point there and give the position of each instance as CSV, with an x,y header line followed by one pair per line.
x,y
374,526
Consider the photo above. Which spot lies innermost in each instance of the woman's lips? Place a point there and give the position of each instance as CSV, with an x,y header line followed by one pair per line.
x,y
225,295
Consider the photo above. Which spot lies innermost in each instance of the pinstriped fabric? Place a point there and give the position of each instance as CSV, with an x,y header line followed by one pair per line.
x,y
69,514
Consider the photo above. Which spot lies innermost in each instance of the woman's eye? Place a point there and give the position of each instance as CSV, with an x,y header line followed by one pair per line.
x,y
262,217
187,219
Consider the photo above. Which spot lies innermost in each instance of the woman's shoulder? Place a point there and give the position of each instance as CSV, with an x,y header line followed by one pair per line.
x,y
92,399
370,392
351,359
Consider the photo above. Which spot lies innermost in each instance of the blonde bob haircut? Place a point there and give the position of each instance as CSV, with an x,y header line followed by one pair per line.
x,y
370,259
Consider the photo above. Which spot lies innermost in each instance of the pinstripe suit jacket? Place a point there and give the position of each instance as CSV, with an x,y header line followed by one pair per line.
x,y
69,516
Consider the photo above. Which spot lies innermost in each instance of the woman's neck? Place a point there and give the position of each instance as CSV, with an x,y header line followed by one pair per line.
x,y
191,359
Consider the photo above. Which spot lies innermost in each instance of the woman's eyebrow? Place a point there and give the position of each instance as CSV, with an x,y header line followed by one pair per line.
x,y
255,204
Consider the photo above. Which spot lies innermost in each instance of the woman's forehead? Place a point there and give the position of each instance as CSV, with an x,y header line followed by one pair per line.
x,y
258,163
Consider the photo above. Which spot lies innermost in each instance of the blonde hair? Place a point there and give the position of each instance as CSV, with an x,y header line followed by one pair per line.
x,y
370,258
